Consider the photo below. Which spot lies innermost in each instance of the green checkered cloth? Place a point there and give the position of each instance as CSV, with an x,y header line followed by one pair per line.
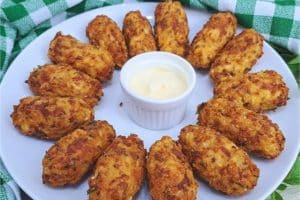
x,y
279,21
8,188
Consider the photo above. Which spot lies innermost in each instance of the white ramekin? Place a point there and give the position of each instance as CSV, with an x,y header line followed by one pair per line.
x,y
156,114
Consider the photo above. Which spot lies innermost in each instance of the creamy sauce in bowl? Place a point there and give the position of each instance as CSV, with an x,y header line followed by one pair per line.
x,y
158,82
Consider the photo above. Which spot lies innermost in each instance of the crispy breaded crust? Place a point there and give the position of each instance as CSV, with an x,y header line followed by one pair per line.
x,y
51,117
95,61
211,39
104,32
238,56
218,161
68,160
169,174
171,28
253,132
138,34
119,173
260,92
64,81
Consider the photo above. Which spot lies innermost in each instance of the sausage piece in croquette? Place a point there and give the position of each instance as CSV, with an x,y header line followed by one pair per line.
x,y
238,56
68,160
95,61
104,32
64,81
260,92
218,161
211,39
169,174
120,171
138,34
171,28
253,132
51,117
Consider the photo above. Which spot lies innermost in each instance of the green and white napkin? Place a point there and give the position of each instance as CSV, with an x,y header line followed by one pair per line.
x,y
9,190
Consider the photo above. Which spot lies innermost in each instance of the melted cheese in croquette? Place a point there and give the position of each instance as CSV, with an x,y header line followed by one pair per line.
x,y
253,132
68,160
218,161
94,61
169,173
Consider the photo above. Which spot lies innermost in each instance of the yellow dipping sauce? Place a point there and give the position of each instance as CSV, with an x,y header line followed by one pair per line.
x,y
160,82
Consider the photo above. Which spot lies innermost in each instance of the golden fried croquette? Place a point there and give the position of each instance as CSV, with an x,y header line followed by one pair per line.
x,y
104,32
51,117
95,61
238,56
253,132
218,161
261,91
68,160
169,174
120,171
138,34
211,39
171,28
64,81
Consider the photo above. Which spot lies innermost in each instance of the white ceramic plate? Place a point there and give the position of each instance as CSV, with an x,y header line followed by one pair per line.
x,y
23,155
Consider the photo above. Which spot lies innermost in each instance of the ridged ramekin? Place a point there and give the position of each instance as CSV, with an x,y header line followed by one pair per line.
x,y
150,113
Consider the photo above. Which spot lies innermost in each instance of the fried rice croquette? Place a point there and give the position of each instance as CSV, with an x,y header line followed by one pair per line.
x,y
260,92
51,117
218,161
95,61
138,34
64,81
254,132
120,171
211,39
238,56
171,28
68,160
104,32
169,174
